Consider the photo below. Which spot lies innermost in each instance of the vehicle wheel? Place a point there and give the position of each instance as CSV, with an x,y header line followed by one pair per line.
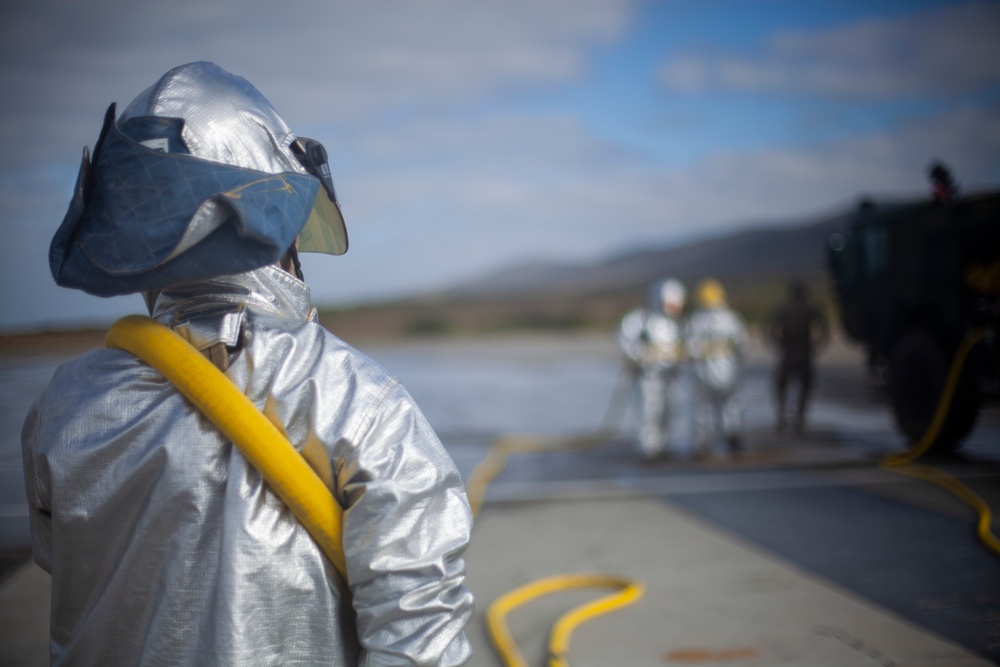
x,y
918,369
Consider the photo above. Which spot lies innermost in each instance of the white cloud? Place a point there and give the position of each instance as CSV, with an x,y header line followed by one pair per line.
x,y
318,61
953,50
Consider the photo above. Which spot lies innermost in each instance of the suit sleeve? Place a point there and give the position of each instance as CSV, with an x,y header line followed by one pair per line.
x,y
406,525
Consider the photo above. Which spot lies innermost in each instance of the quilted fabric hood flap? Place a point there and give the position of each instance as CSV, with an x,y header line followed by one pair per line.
x,y
143,219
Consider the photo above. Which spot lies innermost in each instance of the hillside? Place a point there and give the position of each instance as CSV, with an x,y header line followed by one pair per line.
x,y
753,254
754,264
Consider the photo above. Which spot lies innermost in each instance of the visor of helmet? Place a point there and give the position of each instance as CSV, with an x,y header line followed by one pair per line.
x,y
324,231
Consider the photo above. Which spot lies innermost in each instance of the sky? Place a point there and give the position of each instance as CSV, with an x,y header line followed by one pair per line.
x,y
469,137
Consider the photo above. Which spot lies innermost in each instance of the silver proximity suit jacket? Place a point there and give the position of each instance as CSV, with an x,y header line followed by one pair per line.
x,y
165,546
716,341
651,340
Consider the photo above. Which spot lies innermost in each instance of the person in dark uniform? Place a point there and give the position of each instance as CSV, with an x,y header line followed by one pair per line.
x,y
797,329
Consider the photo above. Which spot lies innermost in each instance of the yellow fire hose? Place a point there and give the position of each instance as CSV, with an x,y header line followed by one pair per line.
x,y
627,592
905,462
501,449
496,614
258,439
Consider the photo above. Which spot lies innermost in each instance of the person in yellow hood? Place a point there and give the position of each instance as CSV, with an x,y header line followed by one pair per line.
x,y
716,340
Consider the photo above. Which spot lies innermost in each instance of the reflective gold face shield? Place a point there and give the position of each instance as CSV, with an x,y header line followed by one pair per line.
x,y
324,231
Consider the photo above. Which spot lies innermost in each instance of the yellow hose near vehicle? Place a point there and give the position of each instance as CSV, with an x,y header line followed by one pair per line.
x,y
905,463
920,447
258,439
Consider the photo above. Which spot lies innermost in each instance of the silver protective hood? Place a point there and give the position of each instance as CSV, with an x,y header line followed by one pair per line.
x,y
227,120
667,290
199,177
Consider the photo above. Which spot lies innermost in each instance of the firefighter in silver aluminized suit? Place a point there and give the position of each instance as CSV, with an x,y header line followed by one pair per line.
x,y
650,338
716,341
165,547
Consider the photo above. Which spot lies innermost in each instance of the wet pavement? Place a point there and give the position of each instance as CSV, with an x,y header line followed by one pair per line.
x,y
801,551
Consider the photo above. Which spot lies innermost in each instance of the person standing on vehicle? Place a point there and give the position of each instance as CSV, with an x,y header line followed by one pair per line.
x,y
797,329
164,545
944,190
650,338
716,340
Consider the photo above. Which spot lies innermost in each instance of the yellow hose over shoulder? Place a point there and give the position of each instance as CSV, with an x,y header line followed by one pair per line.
x,y
259,440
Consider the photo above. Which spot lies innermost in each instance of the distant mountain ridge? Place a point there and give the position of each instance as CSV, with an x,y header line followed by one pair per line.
x,y
762,253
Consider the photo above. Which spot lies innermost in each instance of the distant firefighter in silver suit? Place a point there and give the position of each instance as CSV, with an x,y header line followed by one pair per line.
x,y
164,545
650,338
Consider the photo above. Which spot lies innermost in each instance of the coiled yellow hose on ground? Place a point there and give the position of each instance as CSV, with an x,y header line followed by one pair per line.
x,y
260,441
496,614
